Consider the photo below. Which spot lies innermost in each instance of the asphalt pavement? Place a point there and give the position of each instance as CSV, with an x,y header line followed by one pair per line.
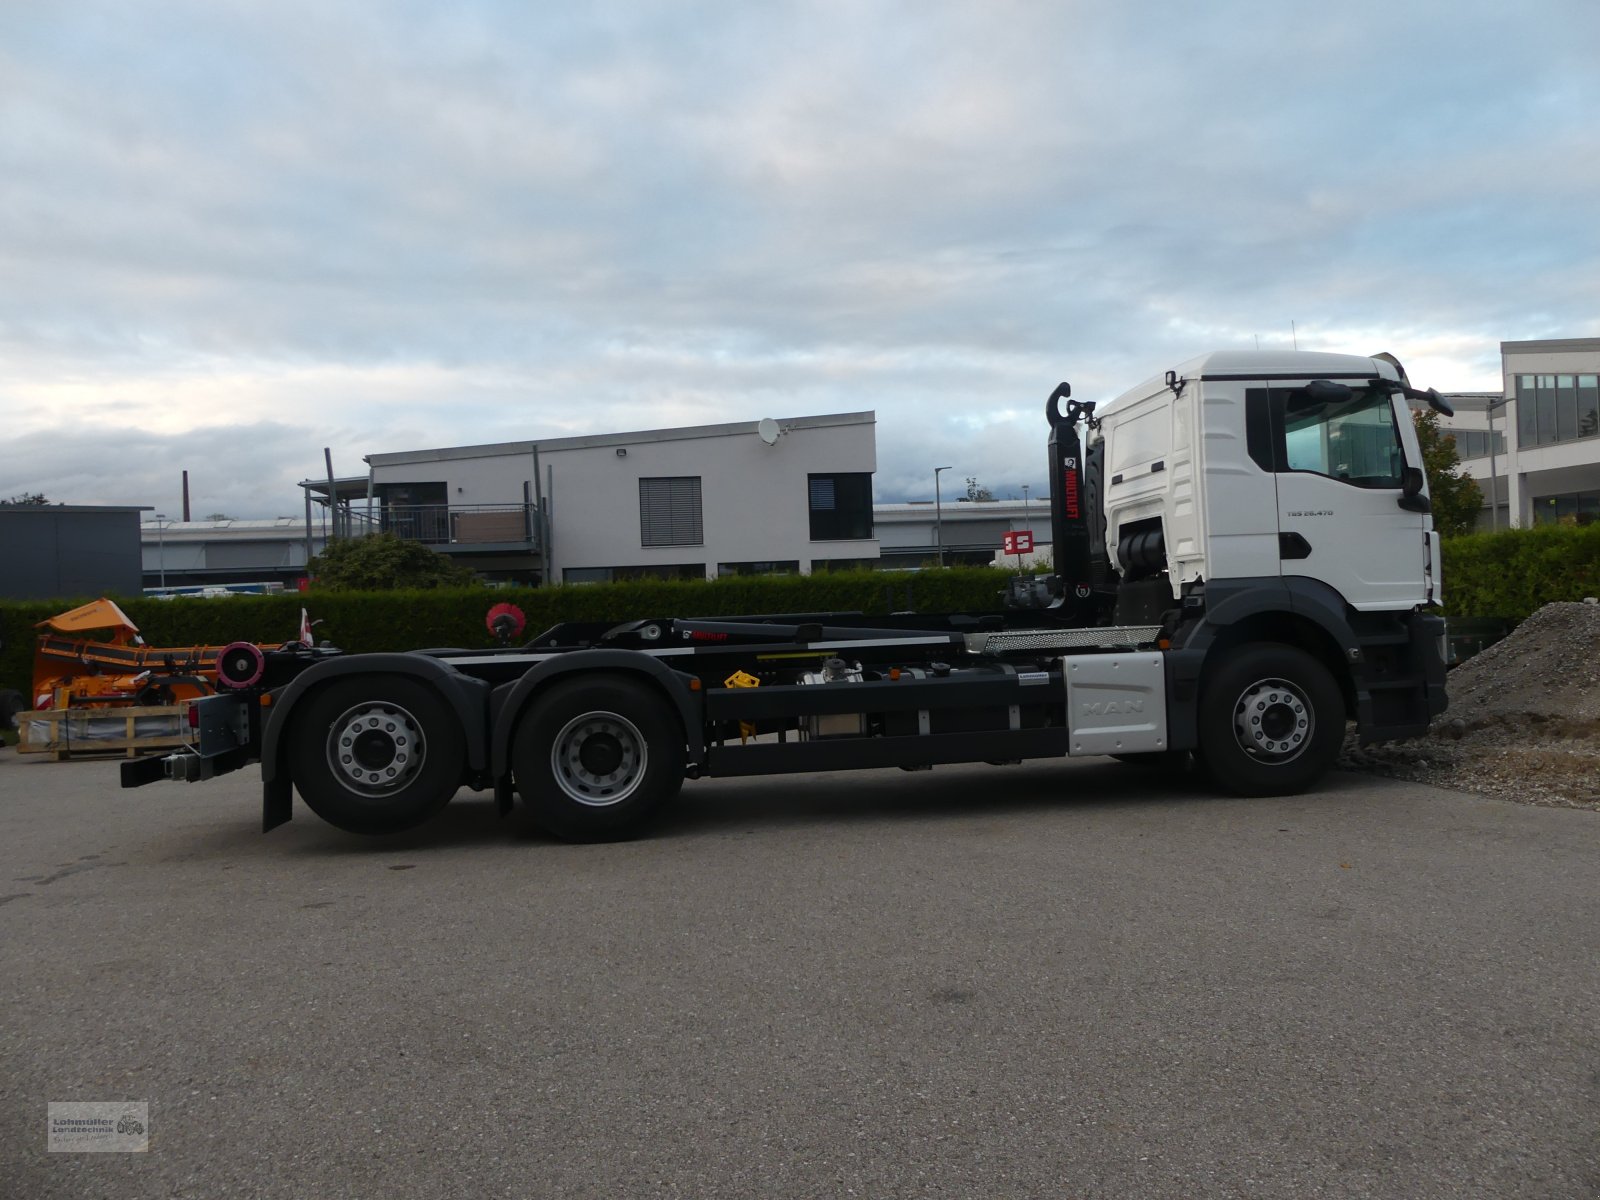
x,y
1061,979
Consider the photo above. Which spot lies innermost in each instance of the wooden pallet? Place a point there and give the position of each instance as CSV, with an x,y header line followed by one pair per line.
x,y
65,732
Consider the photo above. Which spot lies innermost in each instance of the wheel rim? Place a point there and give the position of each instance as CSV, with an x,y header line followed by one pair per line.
x,y
1273,720
376,748
599,759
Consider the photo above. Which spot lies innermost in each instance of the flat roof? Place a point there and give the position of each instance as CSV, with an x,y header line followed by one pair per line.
x,y
681,434
965,508
77,508
1551,346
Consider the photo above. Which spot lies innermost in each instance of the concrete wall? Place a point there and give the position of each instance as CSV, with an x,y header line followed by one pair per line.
x,y
65,551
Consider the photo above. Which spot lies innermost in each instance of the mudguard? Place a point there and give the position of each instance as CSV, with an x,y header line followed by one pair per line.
x,y
1229,601
509,699
467,697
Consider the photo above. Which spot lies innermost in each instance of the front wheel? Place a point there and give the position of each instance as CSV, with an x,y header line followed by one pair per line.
x,y
594,759
376,754
1271,721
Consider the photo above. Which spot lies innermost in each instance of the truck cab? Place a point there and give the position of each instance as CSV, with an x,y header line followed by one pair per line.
x,y
1280,495
1246,470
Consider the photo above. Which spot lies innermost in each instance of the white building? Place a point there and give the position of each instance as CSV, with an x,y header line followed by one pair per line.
x,y
1534,448
1552,389
792,495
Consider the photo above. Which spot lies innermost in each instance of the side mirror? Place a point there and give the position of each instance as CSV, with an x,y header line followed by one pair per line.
x,y
1411,497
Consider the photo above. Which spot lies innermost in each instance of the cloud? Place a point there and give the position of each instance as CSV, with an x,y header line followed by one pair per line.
x,y
381,227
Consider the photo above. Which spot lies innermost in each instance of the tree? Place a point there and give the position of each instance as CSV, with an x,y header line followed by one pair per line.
x,y
382,562
976,491
27,498
1457,499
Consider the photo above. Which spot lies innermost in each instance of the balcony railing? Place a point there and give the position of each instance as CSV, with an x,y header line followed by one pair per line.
x,y
450,524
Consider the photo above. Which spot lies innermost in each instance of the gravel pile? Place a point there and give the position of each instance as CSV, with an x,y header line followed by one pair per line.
x,y
1523,722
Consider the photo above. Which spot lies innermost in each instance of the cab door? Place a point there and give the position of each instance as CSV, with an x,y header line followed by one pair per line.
x,y
1342,458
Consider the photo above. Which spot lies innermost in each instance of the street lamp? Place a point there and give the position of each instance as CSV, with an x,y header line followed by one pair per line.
x,y
1494,482
1025,524
938,510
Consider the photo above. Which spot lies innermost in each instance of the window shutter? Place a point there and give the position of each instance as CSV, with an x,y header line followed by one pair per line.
x,y
669,512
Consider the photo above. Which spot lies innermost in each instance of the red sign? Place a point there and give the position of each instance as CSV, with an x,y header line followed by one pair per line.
x,y
1017,541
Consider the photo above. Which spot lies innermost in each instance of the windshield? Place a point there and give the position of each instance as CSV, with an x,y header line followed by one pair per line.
x,y
1353,441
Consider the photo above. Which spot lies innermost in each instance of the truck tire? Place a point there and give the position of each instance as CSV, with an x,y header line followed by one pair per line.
x,y
595,758
376,754
1271,721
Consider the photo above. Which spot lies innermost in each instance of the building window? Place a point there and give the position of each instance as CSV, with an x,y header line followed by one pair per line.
x,y
1570,508
774,567
1546,408
669,512
1474,443
623,574
841,506
1557,408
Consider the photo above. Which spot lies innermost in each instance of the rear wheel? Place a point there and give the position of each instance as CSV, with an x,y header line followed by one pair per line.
x,y
1271,721
595,759
376,754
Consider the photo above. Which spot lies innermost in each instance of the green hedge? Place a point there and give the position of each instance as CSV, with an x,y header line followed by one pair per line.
x,y
1513,572
361,622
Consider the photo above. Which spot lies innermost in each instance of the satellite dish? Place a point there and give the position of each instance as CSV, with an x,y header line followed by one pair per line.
x,y
767,430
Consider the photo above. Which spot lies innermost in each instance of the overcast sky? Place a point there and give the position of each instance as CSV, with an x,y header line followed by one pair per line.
x,y
232,234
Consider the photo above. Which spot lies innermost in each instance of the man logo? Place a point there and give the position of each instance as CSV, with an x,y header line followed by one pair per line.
x,y
1104,708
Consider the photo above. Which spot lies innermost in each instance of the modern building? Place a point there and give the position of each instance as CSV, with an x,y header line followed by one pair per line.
x,y
970,532
60,551
182,556
751,497
1534,448
1552,392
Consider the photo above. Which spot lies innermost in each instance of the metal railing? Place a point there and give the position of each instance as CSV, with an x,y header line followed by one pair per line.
x,y
446,524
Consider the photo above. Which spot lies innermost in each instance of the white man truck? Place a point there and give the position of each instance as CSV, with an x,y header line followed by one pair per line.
x,y
1244,564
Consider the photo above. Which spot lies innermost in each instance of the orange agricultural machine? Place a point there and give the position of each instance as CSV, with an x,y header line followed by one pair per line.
x,y
72,669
